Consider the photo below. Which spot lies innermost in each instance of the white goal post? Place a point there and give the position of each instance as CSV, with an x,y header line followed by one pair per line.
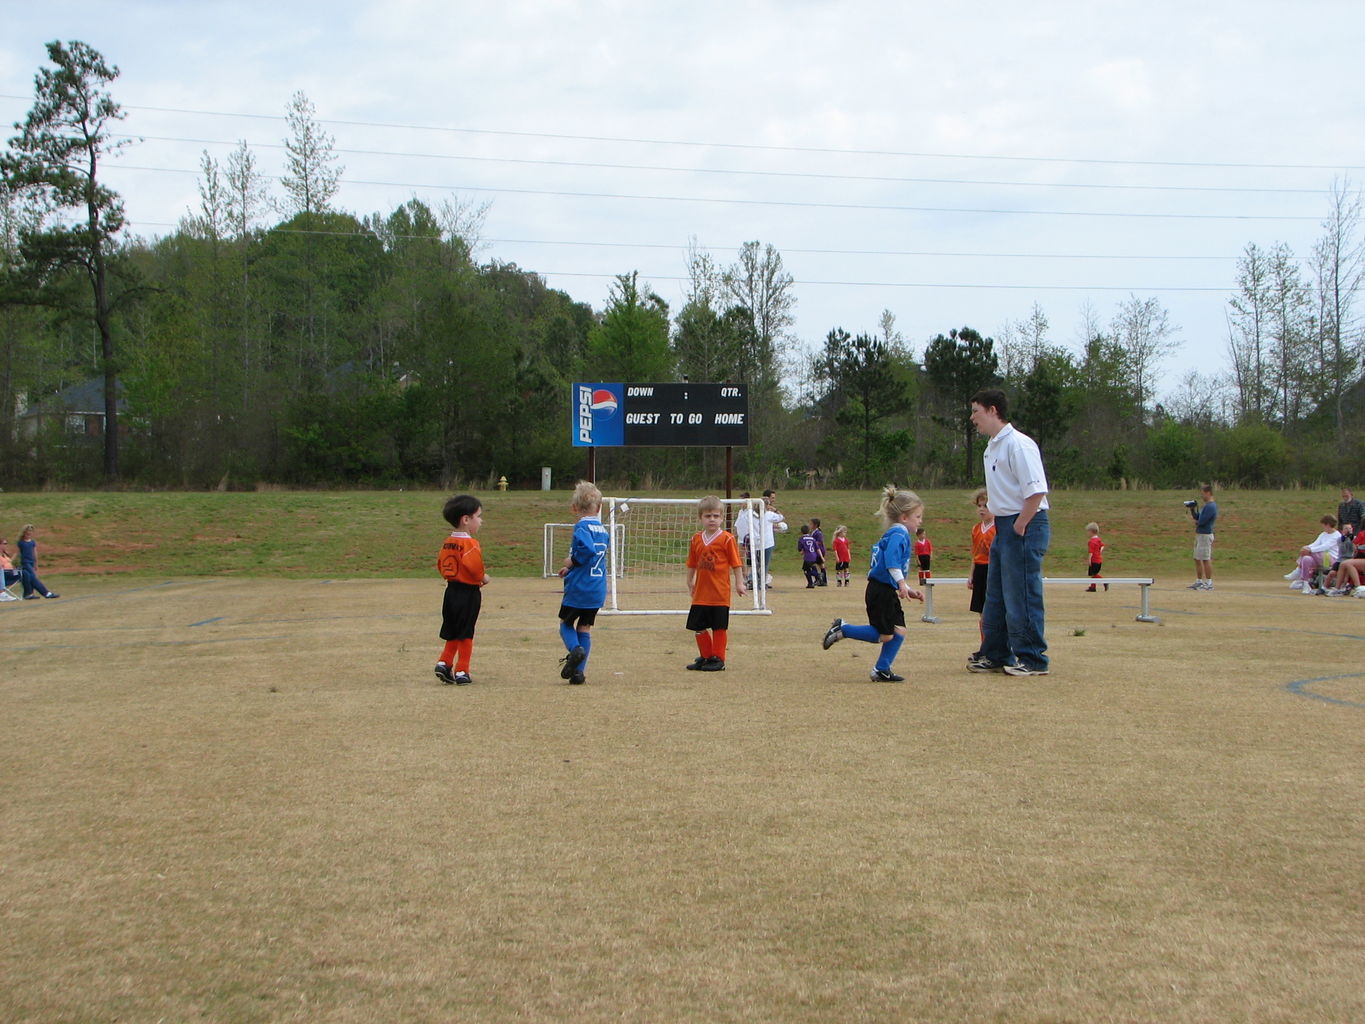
x,y
647,563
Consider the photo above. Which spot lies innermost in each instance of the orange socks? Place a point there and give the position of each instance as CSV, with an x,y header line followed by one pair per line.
x,y
718,640
704,645
456,654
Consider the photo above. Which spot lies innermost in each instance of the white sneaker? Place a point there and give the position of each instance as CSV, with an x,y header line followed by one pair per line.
x,y
1291,574
1296,585
1358,592
5,595
1208,585
1196,585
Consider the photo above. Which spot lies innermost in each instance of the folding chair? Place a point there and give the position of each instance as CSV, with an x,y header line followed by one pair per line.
x,y
12,578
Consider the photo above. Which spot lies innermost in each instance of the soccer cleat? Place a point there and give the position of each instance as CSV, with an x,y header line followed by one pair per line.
x,y
1091,589
834,634
696,664
1024,670
571,662
984,665
577,679
444,674
712,664
462,679
878,675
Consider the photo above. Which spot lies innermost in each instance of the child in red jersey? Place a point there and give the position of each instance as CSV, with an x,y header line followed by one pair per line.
x,y
1095,547
460,562
841,555
924,550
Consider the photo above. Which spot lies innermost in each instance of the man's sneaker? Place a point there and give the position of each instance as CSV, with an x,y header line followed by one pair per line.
x,y
983,665
577,679
712,664
834,634
878,675
462,679
1208,585
571,661
444,674
1196,585
1024,670
975,656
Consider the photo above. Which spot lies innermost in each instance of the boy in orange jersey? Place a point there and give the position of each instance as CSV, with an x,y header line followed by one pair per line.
x,y
461,564
983,533
711,560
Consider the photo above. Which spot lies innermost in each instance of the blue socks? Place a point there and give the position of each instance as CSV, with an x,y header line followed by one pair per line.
x,y
889,651
864,633
567,634
585,642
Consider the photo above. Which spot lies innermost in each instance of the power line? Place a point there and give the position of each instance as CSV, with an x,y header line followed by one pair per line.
x,y
935,254
791,203
742,172
754,147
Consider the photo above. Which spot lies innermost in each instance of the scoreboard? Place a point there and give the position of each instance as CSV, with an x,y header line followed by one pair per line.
x,y
659,415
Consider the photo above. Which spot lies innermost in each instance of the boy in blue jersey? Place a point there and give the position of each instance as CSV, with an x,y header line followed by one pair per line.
x,y
888,585
585,581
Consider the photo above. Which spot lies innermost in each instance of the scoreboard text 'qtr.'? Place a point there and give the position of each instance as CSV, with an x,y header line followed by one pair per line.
x,y
659,415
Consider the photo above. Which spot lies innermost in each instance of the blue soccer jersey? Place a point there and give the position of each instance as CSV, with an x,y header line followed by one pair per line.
x,y
891,552
585,585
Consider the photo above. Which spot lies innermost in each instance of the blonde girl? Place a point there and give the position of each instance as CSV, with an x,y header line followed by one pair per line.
x,y
888,584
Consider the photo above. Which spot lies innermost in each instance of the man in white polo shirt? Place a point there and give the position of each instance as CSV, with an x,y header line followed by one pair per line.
x,y
1016,492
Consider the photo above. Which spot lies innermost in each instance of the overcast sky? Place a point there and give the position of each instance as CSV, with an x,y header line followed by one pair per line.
x,y
953,163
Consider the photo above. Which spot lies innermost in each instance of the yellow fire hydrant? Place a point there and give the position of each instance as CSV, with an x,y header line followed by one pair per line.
x,y
502,483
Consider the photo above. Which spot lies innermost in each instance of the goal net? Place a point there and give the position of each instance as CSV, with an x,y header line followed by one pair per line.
x,y
647,564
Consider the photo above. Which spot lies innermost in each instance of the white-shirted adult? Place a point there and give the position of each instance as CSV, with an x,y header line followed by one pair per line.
x,y
1013,618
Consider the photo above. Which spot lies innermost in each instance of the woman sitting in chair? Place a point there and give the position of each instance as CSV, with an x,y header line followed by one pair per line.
x,y
8,573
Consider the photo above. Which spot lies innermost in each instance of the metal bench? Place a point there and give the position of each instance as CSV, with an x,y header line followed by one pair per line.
x,y
1143,582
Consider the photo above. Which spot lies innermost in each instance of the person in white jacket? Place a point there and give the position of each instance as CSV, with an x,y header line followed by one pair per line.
x,y
774,522
1312,556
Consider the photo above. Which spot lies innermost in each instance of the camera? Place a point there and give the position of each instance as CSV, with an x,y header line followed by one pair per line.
x,y
1190,504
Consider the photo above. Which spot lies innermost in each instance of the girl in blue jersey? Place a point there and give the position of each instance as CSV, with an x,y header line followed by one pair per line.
x,y
585,581
888,584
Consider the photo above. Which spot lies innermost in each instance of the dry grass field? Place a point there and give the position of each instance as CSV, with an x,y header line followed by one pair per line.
x,y
246,800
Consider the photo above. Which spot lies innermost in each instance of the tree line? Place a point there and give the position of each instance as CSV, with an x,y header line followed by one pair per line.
x,y
273,337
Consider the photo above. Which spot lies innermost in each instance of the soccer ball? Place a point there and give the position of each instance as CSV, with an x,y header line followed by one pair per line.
x,y
781,527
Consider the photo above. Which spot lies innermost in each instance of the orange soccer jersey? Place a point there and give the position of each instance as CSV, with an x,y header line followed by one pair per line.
x,y
713,563
982,536
461,560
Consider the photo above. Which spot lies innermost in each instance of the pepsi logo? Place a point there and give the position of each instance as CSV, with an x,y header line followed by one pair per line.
x,y
603,404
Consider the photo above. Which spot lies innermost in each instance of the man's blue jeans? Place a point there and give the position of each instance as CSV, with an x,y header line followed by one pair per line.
x,y
1012,619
